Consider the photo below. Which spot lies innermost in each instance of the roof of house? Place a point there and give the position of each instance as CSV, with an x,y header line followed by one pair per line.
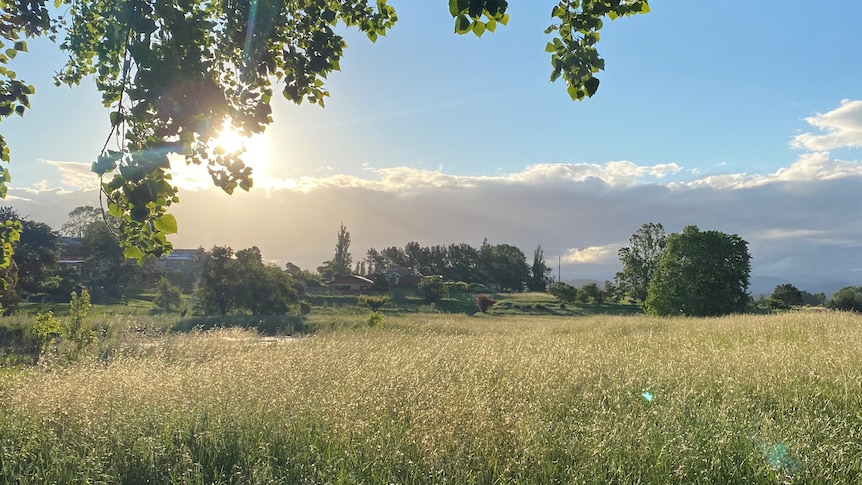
x,y
189,254
70,241
403,272
351,279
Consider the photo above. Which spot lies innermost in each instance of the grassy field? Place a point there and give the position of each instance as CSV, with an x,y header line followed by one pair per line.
x,y
454,399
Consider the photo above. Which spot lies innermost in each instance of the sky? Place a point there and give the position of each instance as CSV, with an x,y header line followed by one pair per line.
x,y
738,116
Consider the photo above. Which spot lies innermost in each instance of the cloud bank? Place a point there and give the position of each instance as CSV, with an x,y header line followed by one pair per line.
x,y
802,221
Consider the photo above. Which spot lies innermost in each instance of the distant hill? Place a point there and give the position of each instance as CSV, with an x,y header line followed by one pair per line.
x,y
764,285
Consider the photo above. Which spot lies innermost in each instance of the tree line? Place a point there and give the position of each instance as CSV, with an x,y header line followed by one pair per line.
x,y
500,266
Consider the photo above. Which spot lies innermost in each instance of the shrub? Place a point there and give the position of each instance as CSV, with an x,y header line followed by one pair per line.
x,y
304,307
47,328
375,303
168,298
484,302
432,288
848,298
79,309
375,319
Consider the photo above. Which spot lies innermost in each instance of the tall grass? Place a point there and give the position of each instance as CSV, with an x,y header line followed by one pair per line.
x,y
456,399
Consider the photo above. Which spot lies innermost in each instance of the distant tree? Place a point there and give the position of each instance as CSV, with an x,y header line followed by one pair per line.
x,y
590,292
640,260
812,299
376,261
262,289
563,292
432,288
609,291
80,220
848,298
215,293
242,282
788,295
35,256
508,267
700,273
169,298
394,258
462,262
106,271
341,263
540,272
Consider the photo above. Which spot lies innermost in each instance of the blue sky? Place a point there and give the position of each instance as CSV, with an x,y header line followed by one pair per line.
x,y
720,114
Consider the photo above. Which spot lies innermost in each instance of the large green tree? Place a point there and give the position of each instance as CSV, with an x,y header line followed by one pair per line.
x,y
242,282
640,260
700,273
174,73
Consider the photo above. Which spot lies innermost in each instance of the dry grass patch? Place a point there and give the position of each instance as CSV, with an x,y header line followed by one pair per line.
x,y
443,398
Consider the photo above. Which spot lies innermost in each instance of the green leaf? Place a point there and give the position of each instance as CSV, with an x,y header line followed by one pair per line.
x,y
131,252
462,25
478,28
21,46
504,19
645,7
11,53
592,85
550,47
453,8
116,118
613,15
166,224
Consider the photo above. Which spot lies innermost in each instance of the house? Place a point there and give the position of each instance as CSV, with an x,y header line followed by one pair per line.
x,y
184,261
352,284
403,277
73,252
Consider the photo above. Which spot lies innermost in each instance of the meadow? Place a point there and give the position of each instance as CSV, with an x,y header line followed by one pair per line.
x,y
445,398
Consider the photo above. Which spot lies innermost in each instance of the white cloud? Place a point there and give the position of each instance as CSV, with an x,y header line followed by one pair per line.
x,y
841,127
592,254
74,175
808,167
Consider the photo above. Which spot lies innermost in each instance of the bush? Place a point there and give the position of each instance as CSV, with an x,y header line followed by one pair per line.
x,y
47,328
169,298
484,302
432,288
848,298
375,319
375,303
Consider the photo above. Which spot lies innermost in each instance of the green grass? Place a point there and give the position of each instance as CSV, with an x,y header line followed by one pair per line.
x,y
454,399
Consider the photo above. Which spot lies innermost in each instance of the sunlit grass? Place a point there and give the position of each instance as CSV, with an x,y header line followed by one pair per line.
x,y
456,399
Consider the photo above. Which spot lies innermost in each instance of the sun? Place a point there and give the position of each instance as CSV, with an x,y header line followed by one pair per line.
x,y
256,149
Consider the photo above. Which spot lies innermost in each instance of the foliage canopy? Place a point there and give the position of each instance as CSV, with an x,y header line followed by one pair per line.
x,y
700,273
176,73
